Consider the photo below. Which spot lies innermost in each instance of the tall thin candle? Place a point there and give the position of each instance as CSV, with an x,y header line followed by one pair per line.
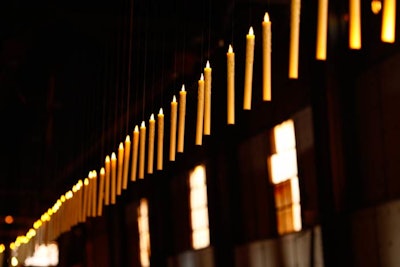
x,y
294,39
101,192
160,139
135,153
207,99
322,30
248,71
127,151
142,148
150,154
200,111
94,193
181,119
90,195
120,160
266,42
113,177
388,30
172,139
230,84
107,180
355,24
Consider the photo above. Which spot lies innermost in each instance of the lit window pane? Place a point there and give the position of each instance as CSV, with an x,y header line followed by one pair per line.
x,y
198,197
199,218
198,177
283,166
284,136
201,238
144,234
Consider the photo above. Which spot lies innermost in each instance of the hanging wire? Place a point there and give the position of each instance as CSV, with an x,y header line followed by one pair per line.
x,y
106,85
124,59
145,65
128,96
209,29
117,78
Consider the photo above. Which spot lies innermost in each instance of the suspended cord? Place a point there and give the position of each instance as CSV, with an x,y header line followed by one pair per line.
x,y
117,77
129,67
144,67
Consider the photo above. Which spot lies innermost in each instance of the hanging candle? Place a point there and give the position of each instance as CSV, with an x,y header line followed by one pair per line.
x,y
160,139
127,151
207,99
181,120
172,140
150,154
388,31
355,24
120,160
200,111
322,30
107,169
266,41
135,153
248,71
230,84
113,177
142,147
101,192
294,39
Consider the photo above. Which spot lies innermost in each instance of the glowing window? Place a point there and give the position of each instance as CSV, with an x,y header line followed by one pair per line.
x,y
44,255
144,233
199,208
283,173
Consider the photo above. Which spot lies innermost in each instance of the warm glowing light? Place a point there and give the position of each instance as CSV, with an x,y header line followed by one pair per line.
x,y
2,248
198,208
230,85
160,139
37,224
9,219
355,24
266,56
172,136
388,21
200,111
322,30
376,6
144,234
14,261
295,7
44,255
142,149
69,195
207,99
12,246
248,71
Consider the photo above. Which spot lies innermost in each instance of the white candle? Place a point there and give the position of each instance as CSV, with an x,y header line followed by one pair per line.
x,y
127,151
120,168
150,158
207,99
388,31
142,147
248,71
113,177
354,24
230,84
200,111
135,153
172,140
294,39
266,41
181,119
160,139
101,192
322,30
107,180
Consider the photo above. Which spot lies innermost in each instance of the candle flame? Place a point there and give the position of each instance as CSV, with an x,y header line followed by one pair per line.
x,y
161,111
121,146
113,156
202,77
94,173
102,171
136,128
142,125
90,175
80,183
230,49
152,117
128,138
174,99
251,31
266,17
107,158
86,182
183,87
208,64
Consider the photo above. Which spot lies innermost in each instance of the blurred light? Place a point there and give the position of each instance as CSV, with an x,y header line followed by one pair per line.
x,y
43,256
376,6
14,261
12,246
9,219
2,248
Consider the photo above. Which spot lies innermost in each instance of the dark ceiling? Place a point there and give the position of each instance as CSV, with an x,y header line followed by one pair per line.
x,y
73,76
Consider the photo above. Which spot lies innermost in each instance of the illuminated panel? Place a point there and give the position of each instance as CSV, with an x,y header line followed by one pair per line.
x,y
144,233
199,208
283,173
